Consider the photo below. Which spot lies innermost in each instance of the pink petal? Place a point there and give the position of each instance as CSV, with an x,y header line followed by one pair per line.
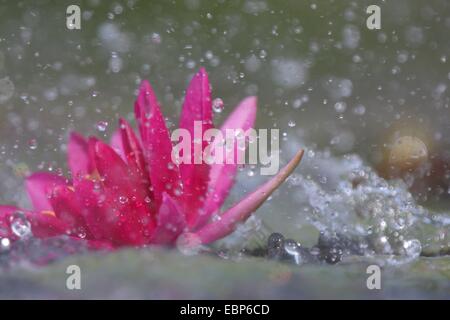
x,y
131,146
42,225
111,220
243,209
78,156
171,221
94,208
116,175
135,158
221,177
112,169
121,211
40,187
69,210
197,106
156,144
116,143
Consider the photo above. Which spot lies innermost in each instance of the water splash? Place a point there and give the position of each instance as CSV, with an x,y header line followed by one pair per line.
x,y
380,216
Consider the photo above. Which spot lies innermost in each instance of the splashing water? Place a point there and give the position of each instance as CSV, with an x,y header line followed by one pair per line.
x,y
355,204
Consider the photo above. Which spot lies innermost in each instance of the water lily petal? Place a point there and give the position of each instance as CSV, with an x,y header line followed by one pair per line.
x,y
156,144
221,176
40,186
68,209
171,221
78,156
113,171
42,225
131,146
243,209
116,143
94,208
197,106
126,205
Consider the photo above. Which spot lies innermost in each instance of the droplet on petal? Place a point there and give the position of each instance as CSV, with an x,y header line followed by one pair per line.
x,y
20,226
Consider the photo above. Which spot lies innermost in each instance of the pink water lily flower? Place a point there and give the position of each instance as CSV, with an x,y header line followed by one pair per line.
x,y
130,193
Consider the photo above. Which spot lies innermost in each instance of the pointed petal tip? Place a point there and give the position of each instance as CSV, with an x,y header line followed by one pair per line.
x,y
145,84
244,208
202,72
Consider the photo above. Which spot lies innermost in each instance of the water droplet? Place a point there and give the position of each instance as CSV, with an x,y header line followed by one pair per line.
x,y
82,233
291,247
156,38
217,105
6,90
340,107
413,248
123,199
101,126
32,144
359,110
20,226
5,244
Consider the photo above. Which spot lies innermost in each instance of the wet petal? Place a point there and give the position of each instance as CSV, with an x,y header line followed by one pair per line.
x,y
171,221
94,208
243,209
116,143
112,170
42,225
222,175
40,187
131,146
69,210
156,143
78,156
197,106
118,199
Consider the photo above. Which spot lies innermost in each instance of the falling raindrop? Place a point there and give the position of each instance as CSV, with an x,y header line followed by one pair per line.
x,y
156,38
101,126
340,107
5,244
32,144
359,110
6,90
20,226
217,105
